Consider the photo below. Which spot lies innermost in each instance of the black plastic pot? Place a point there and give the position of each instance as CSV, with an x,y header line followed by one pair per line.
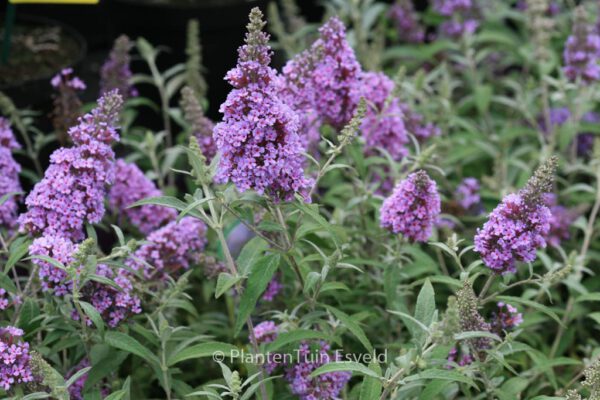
x,y
36,93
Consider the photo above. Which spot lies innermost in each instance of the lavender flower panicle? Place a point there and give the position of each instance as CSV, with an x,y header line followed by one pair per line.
x,y
383,125
415,124
506,318
258,138
170,249
518,226
296,88
59,248
467,193
406,20
267,332
560,221
462,17
116,72
334,75
113,305
14,358
67,105
132,185
74,186
582,50
9,175
413,207
323,387
272,290
202,127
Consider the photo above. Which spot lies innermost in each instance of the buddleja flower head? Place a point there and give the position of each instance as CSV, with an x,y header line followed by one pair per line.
x,y
416,125
506,318
296,88
272,290
116,71
582,50
405,18
383,125
413,207
74,186
322,387
334,75
560,221
461,13
258,138
267,332
14,358
518,226
67,105
59,248
202,127
170,249
467,193
9,175
132,185
113,305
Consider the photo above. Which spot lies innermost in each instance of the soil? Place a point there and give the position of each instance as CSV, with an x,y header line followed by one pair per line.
x,y
38,52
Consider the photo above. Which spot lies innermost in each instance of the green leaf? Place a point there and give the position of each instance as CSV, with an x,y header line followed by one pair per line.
x,y
371,387
93,315
433,388
7,284
202,350
476,334
296,335
345,366
424,311
441,374
406,317
588,297
124,342
314,214
225,282
16,254
532,304
250,253
77,375
261,274
352,326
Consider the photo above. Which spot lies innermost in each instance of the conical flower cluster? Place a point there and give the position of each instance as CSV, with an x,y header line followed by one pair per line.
x,y
258,138
9,175
116,71
413,207
518,226
582,50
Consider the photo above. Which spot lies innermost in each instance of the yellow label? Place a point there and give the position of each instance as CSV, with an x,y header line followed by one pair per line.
x,y
54,1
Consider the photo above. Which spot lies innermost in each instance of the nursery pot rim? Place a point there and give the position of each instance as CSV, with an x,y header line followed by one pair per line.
x,y
69,30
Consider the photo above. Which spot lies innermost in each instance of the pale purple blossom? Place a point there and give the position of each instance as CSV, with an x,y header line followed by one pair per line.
x,y
413,208
9,175
130,186
116,72
14,358
582,50
406,20
467,193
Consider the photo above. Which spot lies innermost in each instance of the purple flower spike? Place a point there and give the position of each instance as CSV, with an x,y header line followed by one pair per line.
x,y
170,249
582,50
413,208
131,185
14,358
258,138
9,175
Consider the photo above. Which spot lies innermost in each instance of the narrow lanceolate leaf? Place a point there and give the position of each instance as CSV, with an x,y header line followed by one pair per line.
x,y
441,374
93,315
353,327
261,274
16,253
251,252
203,350
424,311
297,335
345,366
124,342
371,387
225,282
